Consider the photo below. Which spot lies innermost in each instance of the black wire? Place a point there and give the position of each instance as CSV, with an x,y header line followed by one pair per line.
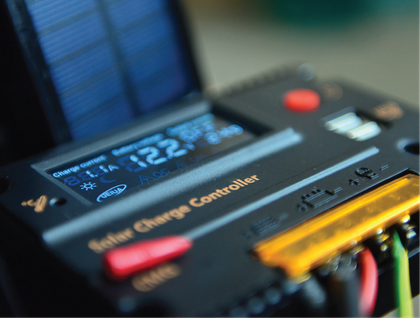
x,y
313,298
344,287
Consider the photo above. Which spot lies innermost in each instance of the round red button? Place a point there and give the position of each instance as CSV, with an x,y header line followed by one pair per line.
x,y
301,100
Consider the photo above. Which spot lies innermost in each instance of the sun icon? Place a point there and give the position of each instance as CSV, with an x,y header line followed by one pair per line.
x,y
88,186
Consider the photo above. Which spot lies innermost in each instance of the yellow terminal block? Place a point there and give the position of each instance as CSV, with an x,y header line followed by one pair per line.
x,y
312,243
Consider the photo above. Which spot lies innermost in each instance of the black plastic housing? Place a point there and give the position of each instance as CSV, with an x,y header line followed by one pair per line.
x,y
54,272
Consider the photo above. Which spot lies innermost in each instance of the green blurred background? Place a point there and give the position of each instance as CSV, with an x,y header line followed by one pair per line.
x,y
374,43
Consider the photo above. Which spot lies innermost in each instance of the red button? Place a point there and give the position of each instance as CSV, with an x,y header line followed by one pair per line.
x,y
301,100
125,261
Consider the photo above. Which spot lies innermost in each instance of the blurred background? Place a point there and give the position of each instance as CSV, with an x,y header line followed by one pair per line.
x,y
374,43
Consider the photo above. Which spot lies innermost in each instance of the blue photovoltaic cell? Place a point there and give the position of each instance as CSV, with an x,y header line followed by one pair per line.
x,y
90,97
47,13
162,87
117,113
126,12
110,60
144,35
83,67
72,37
160,57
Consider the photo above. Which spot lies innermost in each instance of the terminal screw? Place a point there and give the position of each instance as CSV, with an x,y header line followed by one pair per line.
x,y
407,231
379,245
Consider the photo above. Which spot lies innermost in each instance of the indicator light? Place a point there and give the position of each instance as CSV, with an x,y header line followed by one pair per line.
x,y
125,261
312,243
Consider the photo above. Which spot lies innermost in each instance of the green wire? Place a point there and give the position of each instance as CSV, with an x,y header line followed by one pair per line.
x,y
402,279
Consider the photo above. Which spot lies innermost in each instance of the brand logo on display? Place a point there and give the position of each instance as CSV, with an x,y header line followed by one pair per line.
x,y
112,192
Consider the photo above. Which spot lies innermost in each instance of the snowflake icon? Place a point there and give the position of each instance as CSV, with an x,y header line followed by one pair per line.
x,y
88,186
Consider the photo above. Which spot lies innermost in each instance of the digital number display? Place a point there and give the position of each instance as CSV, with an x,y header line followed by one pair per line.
x,y
104,176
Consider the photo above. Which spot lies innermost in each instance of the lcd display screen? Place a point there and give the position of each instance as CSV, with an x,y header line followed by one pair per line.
x,y
103,176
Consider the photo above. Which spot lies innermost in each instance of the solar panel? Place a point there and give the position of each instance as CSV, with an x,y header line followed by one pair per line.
x,y
111,60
